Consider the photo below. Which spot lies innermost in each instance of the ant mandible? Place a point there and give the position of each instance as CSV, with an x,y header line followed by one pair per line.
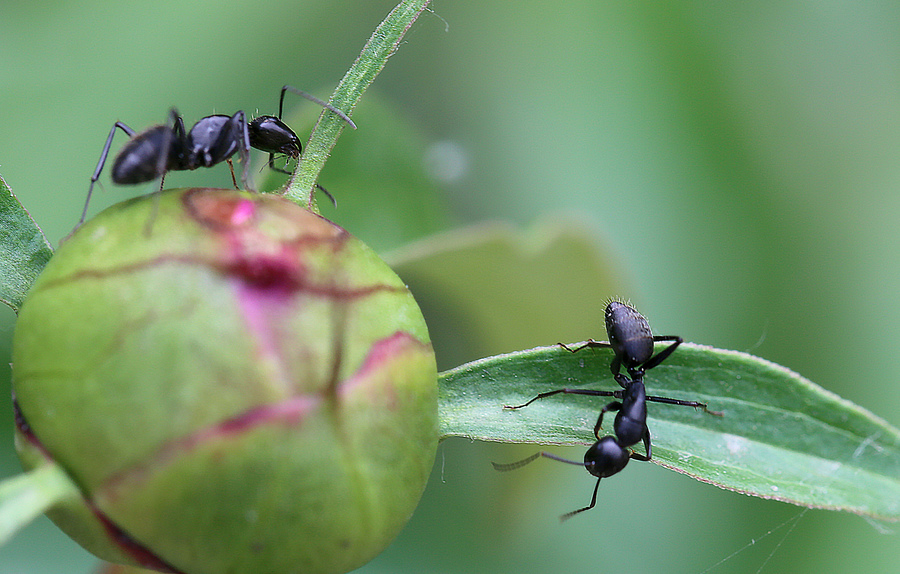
x,y
631,340
163,148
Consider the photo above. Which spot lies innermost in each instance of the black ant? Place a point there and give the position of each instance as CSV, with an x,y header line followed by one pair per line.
x,y
163,148
632,341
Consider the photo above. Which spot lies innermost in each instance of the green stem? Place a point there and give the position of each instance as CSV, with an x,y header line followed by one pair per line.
x,y
380,47
23,498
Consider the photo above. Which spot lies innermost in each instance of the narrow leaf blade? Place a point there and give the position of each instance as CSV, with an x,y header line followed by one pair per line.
x,y
24,497
24,250
780,436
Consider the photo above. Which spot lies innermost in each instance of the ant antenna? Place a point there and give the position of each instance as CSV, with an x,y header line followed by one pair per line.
x,y
313,99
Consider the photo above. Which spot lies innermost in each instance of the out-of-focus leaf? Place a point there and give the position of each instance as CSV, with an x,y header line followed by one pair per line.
x,y
780,436
24,250
371,60
377,175
496,288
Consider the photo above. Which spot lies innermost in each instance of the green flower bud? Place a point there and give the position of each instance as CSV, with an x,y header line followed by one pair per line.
x,y
236,385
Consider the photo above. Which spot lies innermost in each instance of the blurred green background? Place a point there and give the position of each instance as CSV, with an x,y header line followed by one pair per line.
x,y
736,164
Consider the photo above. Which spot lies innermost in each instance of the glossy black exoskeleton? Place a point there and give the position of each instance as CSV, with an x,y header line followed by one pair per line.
x,y
631,340
163,148
270,134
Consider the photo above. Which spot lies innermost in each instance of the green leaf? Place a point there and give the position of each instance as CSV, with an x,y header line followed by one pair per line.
x,y
24,250
371,173
381,45
23,498
780,436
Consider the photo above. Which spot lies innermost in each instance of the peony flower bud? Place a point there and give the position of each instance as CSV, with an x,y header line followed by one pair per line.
x,y
236,385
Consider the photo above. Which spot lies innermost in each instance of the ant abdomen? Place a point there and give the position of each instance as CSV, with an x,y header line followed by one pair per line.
x,y
629,334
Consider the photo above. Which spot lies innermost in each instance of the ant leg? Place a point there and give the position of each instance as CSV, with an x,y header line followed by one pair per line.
x,y
286,172
588,392
325,191
622,380
225,138
231,167
314,99
177,134
616,363
569,515
589,343
103,155
244,150
519,464
695,404
163,162
646,439
272,165
662,355
613,406
614,366
148,227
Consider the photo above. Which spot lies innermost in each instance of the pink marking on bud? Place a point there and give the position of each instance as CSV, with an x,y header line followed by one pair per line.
x,y
25,429
278,272
383,351
289,412
286,413
117,536
243,212
137,551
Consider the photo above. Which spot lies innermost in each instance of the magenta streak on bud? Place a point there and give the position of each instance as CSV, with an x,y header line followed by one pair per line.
x,y
139,553
264,289
25,429
284,279
281,273
288,413
260,306
243,213
269,272
382,352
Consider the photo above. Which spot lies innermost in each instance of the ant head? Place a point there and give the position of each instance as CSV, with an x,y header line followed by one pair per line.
x,y
605,457
270,134
629,334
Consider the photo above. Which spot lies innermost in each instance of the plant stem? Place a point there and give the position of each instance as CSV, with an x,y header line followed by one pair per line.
x,y
383,43
24,497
